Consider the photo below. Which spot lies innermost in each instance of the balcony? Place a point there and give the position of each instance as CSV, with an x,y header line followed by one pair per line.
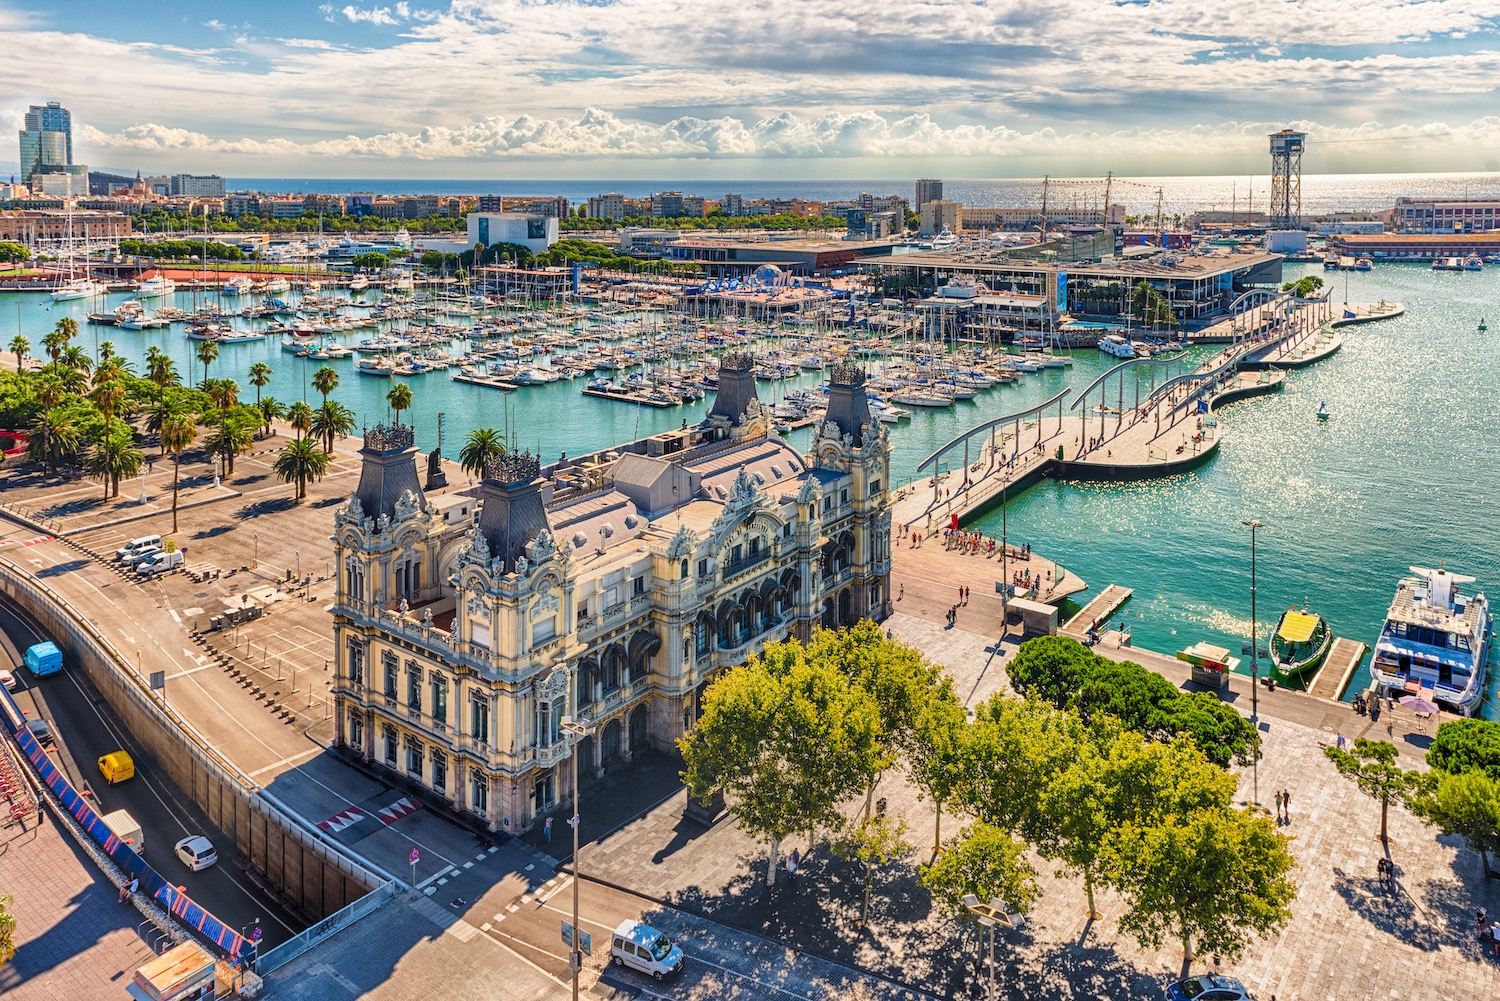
x,y
551,754
745,564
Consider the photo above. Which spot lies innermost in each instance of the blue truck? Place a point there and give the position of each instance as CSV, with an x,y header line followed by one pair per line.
x,y
44,659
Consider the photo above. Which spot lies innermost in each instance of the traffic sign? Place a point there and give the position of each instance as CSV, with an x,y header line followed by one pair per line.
x,y
256,935
416,854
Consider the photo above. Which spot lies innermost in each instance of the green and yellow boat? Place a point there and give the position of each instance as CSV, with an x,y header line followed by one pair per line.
x,y
1299,644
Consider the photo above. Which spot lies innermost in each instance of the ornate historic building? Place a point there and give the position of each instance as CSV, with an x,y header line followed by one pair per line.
x,y
612,588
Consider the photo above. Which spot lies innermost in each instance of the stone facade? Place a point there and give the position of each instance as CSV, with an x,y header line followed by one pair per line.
x,y
610,588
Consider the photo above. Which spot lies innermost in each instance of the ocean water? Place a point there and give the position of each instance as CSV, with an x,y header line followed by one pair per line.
x,y
1404,474
1321,193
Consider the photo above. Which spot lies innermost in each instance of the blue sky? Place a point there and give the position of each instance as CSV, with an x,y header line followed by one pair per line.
x,y
746,88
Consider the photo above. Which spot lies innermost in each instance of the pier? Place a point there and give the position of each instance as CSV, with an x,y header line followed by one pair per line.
x,y
1104,604
1338,667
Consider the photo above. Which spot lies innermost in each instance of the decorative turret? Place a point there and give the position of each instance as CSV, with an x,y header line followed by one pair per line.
x,y
388,470
513,514
848,410
736,386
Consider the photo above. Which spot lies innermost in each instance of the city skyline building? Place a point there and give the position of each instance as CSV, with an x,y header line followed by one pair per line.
x,y
928,190
52,117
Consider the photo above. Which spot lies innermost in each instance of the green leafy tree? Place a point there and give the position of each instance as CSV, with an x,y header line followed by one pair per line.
x,y
260,377
1468,805
19,345
325,380
373,260
399,399
1206,878
331,420
783,745
482,445
301,461
875,840
7,932
1466,745
178,432
1304,287
936,755
1371,765
113,456
208,353
984,860
1016,749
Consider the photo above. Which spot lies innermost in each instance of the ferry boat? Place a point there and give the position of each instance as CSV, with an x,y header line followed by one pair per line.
x,y
1435,641
1299,644
1473,263
1116,345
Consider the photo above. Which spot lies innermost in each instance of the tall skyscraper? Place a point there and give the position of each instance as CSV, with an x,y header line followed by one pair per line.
x,y
52,117
928,190
46,141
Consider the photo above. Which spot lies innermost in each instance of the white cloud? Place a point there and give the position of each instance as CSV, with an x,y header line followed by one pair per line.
x,y
373,15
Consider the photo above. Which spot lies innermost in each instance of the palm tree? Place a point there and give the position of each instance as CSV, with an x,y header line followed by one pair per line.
x,y
483,445
331,420
19,345
177,434
113,457
400,399
208,352
73,356
271,409
107,351
260,376
224,393
160,369
53,343
162,412
111,368
300,461
300,416
107,397
325,380
230,437
54,437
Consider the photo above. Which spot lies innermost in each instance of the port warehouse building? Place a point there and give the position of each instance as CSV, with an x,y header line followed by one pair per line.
x,y
1196,287
1414,246
38,226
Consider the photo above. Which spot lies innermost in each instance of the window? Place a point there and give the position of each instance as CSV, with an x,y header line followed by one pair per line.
x,y
874,487
703,637
703,568
827,504
357,664
390,746
413,686
786,530
755,546
479,720
735,554
356,730
479,792
414,757
439,698
844,495
439,770
638,586
684,570
389,660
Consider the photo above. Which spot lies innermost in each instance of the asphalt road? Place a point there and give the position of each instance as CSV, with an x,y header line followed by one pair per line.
x,y
86,729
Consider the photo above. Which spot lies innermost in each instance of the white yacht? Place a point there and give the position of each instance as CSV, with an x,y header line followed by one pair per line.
x,y
238,285
944,240
1435,642
155,287
276,285
1116,345
77,288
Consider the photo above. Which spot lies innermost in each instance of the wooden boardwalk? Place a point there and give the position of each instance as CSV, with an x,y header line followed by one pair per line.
x,y
1338,667
1100,608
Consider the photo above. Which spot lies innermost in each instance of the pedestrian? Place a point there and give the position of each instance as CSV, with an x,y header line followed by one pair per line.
x,y
791,865
1495,937
1484,920
1277,796
902,592
1341,742
1286,804
128,889
547,828
960,595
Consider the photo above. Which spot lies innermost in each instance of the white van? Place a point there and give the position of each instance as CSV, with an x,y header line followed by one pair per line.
x,y
160,562
145,543
126,829
140,556
643,948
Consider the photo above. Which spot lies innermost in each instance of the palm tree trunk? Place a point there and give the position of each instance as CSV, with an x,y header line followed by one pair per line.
x,y
176,469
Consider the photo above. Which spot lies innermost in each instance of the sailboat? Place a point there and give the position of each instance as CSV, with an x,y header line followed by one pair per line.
x,y
1482,325
76,286
1323,412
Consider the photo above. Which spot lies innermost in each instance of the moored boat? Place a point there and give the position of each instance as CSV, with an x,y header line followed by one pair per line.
x,y
1435,641
1299,644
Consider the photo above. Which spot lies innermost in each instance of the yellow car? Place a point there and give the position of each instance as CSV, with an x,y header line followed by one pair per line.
x,y
116,766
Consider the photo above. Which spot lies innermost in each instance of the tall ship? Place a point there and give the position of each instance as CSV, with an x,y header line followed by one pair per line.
x,y
1435,641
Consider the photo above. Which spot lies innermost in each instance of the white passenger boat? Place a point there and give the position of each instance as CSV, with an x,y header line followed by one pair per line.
x,y
1117,346
1435,642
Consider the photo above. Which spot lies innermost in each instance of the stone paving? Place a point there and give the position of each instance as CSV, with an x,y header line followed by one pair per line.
x,y
74,939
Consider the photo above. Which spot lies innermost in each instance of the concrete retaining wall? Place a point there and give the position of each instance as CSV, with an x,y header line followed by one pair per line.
x,y
313,875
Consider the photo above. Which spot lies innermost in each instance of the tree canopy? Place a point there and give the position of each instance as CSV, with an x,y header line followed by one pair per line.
x,y
1467,745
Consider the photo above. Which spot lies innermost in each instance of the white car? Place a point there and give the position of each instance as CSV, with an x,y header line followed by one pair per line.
x,y
8,679
196,852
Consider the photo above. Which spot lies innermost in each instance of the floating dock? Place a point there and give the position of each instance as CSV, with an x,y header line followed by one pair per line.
x,y
629,397
1103,605
1338,668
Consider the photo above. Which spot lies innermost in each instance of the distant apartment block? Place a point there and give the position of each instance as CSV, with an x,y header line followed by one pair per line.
x,y
928,190
610,206
1029,218
1445,215
938,215
675,205
196,186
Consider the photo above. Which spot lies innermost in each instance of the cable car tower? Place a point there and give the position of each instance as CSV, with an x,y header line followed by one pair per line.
x,y
1286,178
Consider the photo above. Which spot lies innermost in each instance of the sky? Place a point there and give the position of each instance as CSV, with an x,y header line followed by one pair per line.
x,y
757,89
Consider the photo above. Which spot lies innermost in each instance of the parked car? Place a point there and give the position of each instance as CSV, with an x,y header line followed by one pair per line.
x,y
1207,987
42,731
140,556
8,679
196,852
143,544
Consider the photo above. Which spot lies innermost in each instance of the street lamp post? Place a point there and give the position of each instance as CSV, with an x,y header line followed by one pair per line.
x,y
579,729
256,537
991,914
1252,524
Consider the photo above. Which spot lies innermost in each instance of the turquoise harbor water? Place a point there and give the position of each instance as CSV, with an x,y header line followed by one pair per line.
x,y
1405,473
